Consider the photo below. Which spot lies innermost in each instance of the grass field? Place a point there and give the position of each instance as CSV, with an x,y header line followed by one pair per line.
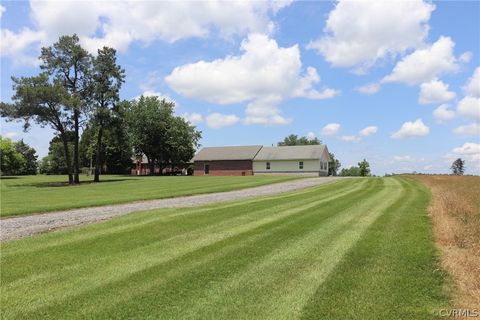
x,y
455,211
354,249
32,194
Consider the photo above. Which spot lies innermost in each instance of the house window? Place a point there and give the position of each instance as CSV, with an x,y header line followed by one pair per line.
x,y
267,165
300,165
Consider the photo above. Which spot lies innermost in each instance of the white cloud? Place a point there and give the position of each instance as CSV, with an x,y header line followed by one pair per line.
x,y
469,151
468,148
217,120
466,56
264,74
368,89
330,129
403,158
434,91
350,138
311,135
411,129
118,24
443,114
193,118
469,107
368,131
359,33
472,87
472,129
2,10
18,46
425,64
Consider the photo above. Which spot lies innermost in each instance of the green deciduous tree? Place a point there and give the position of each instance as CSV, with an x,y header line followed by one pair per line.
x,y
11,161
333,165
54,162
30,155
350,172
156,132
364,168
458,167
295,140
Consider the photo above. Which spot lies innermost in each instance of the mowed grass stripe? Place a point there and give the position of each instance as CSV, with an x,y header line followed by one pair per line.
x,y
392,273
293,271
62,266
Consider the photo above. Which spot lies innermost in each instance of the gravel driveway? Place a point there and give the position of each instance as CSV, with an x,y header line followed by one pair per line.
x,y
18,227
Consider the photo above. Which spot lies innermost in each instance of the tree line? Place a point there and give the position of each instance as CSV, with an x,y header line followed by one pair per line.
x,y
76,90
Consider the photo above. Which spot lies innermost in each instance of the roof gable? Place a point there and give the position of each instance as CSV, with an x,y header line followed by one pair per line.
x,y
227,153
291,152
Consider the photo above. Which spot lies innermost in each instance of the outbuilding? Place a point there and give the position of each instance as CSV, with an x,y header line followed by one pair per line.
x,y
258,160
305,160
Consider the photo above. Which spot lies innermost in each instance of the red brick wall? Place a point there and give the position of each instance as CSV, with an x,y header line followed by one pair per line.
x,y
225,168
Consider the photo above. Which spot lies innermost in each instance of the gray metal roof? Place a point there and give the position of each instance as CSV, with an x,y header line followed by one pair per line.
x,y
227,153
291,152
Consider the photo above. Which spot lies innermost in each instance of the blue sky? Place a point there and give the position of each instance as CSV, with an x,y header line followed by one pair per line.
x,y
397,83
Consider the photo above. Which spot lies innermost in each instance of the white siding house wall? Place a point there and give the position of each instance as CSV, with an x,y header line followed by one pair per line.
x,y
280,167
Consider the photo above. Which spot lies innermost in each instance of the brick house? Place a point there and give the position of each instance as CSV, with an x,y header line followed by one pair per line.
x,y
225,161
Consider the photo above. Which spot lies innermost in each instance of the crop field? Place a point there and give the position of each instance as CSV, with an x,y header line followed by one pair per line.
x,y
31,194
352,249
455,212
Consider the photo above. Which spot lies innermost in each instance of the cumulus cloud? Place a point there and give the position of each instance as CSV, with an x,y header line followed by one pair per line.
x,y
368,131
193,118
443,114
217,120
434,91
2,10
368,89
466,56
411,129
360,33
263,75
469,107
469,151
330,129
472,87
425,64
118,24
19,46
472,129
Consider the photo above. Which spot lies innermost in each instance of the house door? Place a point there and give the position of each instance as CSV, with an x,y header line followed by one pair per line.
x,y
206,169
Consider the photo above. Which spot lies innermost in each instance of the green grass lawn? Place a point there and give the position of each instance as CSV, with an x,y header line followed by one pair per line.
x,y
32,194
353,249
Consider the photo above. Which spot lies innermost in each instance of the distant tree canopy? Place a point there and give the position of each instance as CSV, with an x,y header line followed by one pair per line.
x,y
54,162
333,165
458,167
295,140
154,130
361,170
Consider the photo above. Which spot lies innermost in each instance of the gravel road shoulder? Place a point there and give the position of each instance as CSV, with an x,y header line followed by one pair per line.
x,y
18,227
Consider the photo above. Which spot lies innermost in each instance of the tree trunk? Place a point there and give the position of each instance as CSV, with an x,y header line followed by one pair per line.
x,y
98,157
67,157
76,164
151,164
